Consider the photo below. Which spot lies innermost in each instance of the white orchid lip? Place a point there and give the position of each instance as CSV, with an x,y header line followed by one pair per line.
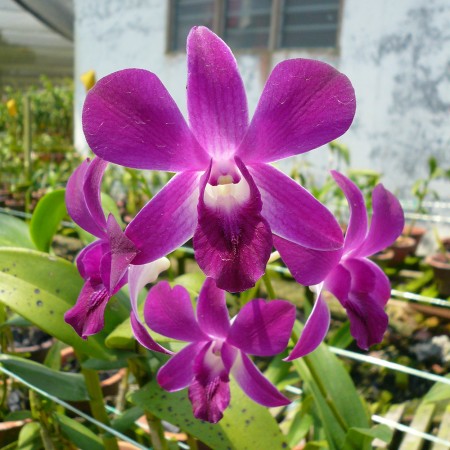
x,y
226,186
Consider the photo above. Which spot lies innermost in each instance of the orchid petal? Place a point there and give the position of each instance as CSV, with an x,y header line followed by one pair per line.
x,y
232,241
307,266
140,276
169,312
143,336
293,213
386,225
92,190
130,119
369,292
114,264
86,317
88,260
304,105
262,328
212,312
209,401
251,380
357,225
339,282
178,372
315,330
167,221
217,103
210,392
76,202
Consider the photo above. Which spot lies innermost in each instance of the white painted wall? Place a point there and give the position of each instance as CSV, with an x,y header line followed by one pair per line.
x,y
397,54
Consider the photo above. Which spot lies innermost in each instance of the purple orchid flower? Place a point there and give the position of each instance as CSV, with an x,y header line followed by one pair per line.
x,y
359,284
105,263
216,346
225,194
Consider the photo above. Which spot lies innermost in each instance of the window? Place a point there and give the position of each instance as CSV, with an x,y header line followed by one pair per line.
x,y
258,24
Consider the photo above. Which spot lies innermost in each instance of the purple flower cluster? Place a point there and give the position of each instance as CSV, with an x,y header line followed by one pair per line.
x,y
236,207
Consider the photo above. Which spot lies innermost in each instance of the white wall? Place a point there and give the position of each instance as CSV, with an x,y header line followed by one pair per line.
x,y
397,54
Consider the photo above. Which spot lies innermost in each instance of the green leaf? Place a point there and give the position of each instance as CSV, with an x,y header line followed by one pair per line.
x,y
337,401
438,392
245,424
126,420
78,434
18,415
342,338
52,381
41,288
49,212
14,232
30,437
432,165
361,438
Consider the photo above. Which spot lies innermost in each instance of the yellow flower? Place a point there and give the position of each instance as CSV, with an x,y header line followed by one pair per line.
x,y
12,107
88,79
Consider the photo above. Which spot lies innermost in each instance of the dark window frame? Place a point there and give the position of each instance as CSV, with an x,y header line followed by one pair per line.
x,y
275,29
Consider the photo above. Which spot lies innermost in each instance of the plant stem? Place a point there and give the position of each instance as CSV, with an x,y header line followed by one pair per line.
x,y
269,287
40,416
97,404
154,423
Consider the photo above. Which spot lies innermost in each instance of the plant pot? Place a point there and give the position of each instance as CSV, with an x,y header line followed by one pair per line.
x,y
402,247
414,232
33,341
383,258
9,431
441,267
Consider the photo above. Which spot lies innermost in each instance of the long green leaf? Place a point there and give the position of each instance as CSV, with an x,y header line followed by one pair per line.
x,y
14,232
49,212
245,424
41,288
334,392
361,438
30,437
78,434
66,386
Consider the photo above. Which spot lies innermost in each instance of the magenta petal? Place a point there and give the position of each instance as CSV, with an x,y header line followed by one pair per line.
x,y
86,317
88,260
169,312
167,221
212,312
92,190
357,225
370,290
386,225
293,213
76,202
339,282
263,328
143,336
251,380
304,105
315,329
130,119
178,372
217,103
307,266
232,241
210,400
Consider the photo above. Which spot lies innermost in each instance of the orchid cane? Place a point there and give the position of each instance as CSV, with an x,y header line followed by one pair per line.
x,y
224,194
359,284
217,348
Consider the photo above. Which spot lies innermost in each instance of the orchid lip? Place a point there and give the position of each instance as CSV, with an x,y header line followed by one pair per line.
x,y
226,187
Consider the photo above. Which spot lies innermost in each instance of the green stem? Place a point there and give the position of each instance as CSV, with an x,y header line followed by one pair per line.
x,y
40,416
97,404
159,442
269,287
